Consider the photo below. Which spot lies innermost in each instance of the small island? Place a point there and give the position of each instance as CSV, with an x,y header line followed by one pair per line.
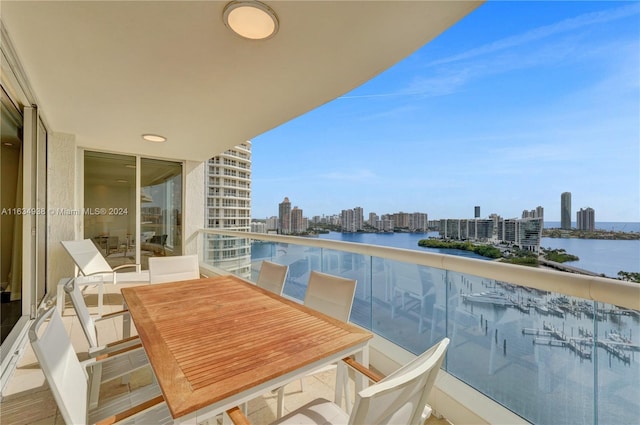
x,y
589,234
484,250
506,254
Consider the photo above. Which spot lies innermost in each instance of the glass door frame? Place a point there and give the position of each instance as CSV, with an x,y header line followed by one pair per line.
x,y
138,191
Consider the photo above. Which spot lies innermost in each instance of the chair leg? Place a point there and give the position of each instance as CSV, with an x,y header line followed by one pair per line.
x,y
280,407
94,385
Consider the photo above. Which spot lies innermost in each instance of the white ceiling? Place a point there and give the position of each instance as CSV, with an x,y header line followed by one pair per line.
x,y
109,71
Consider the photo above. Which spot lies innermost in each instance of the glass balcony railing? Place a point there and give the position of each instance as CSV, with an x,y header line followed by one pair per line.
x,y
550,357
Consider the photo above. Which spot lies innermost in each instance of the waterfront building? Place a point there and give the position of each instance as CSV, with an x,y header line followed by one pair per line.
x,y
352,220
476,211
586,219
358,217
418,222
272,223
228,200
258,227
538,212
297,222
529,233
284,217
565,210
401,219
484,229
509,230
373,219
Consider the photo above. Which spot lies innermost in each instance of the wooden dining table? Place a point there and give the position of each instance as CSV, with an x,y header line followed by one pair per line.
x,y
215,343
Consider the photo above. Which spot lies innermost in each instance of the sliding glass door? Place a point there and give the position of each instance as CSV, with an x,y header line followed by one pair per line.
x,y
11,153
160,208
134,207
110,205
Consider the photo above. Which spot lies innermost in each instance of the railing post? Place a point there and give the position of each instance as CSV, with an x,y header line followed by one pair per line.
x,y
594,350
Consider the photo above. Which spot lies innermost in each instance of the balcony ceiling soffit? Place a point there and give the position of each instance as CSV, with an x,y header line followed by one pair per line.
x,y
111,71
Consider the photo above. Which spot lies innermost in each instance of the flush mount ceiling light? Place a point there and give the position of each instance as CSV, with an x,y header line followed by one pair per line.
x,y
250,19
154,138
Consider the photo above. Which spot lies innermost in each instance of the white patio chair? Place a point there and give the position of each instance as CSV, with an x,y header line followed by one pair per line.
x,y
92,266
67,379
134,359
333,296
398,399
173,269
272,277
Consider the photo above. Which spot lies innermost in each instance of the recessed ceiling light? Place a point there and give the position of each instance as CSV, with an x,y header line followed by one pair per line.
x,y
154,138
250,19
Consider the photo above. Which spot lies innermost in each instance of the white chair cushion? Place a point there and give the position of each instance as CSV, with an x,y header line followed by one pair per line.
x,y
318,412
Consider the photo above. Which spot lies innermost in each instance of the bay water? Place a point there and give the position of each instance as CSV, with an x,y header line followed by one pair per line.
x,y
546,384
600,256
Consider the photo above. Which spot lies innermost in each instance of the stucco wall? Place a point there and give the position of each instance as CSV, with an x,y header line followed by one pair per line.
x,y
61,176
194,204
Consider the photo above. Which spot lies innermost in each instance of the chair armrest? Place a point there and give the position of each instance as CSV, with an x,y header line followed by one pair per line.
x,y
132,411
122,266
101,358
362,369
237,417
114,346
123,342
112,315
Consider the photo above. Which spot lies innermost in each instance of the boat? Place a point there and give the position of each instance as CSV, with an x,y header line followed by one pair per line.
x,y
495,298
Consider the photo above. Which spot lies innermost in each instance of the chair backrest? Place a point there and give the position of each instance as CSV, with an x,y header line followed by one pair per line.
x,y
61,367
86,321
411,278
272,277
87,257
401,397
172,269
331,295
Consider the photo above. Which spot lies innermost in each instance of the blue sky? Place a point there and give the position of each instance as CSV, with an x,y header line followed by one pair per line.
x,y
515,104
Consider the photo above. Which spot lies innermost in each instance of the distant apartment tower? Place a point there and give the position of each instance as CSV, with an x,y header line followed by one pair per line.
x,y
401,219
418,222
537,213
297,221
565,210
476,212
373,219
271,223
352,220
358,217
228,206
284,217
586,219
258,227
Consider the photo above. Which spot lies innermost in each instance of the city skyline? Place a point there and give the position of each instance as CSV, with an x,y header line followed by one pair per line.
x,y
509,108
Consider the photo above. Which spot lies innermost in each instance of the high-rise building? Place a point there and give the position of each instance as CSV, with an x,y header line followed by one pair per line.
x,y
284,217
373,219
272,223
476,212
352,220
297,221
418,221
586,219
228,200
565,210
537,213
